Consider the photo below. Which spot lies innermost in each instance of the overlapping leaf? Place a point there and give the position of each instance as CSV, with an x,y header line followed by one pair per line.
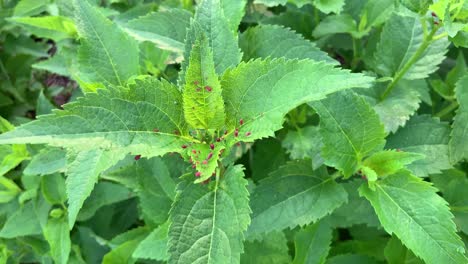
x,y
458,144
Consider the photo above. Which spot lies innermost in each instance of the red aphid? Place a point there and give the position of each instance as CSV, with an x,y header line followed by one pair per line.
x,y
208,88
236,132
248,134
241,121
156,130
433,14
211,146
137,157
194,151
210,156
238,144
218,140
194,166
205,162
436,22
197,174
184,146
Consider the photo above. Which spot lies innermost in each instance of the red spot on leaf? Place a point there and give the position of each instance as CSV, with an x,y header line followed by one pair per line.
x,y
137,157
212,146
194,151
208,88
184,146
241,121
197,174
156,130
210,156
248,134
205,162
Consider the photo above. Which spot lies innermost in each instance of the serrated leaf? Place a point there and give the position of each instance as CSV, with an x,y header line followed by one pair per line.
x,y
167,29
234,11
208,222
154,246
453,185
210,20
107,55
401,37
205,159
329,6
357,210
83,174
53,27
261,92
272,248
414,137
345,145
203,103
301,197
312,243
458,145
10,156
57,234
388,162
411,209
277,42
304,143
143,120
47,161
23,222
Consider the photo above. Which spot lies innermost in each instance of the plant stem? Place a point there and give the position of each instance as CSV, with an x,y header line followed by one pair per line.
x,y
336,175
355,60
452,106
427,41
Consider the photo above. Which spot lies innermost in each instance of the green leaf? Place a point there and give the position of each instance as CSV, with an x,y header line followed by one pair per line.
x,y
205,159
208,221
453,185
401,37
83,174
304,143
10,156
47,161
329,6
276,42
261,92
210,20
23,222
375,13
30,7
268,156
57,234
203,103
154,246
388,162
313,243
458,145
53,27
234,11
167,29
355,211
301,197
104,193
144,119
53,188
414,137
410,208
397,253
107,55
345,144
335,24
273,248
122,253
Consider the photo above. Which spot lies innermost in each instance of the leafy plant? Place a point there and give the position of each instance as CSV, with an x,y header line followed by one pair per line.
x,y
233,131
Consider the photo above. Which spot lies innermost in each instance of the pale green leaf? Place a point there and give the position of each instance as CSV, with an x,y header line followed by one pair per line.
x,y
23,222
276,42
272,248
10,156
335,24
301,196
144,119
30,7
210,20
458,145
53,27
414,137
47,161
82,175
329,6
203,103
401,37
410,208
57,234
350,130
208,222
375,13
261,92
388,162
122,253
304,143
165,28
53,188
271,2
59,63
43,105
234,11
205,159
107,55
453,185
312,243
154,246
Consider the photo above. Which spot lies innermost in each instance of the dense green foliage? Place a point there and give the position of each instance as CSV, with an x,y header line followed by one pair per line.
x,y
233,131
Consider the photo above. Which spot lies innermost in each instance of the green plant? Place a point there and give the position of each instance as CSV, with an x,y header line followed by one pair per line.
x,y
216,133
